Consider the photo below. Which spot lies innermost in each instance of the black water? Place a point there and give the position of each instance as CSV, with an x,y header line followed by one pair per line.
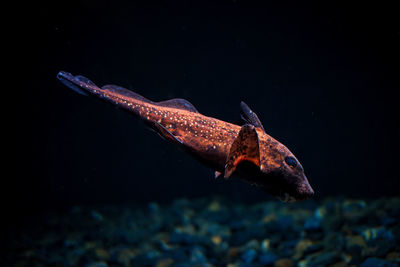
x,y
322,78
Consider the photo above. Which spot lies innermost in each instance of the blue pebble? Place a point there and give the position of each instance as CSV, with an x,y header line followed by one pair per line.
x,y
285,221
96,215
375,262
376,233
178,255
267,259
249,255
312,224
97,264
197,255
153,207
387,221
385,234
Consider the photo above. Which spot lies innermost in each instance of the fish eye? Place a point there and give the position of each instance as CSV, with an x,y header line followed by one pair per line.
x,y
291,161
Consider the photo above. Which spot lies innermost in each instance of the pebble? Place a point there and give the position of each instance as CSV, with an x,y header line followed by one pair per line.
x,y
267,259
283,263
97,264
379,232
124,256
393,256
216,239
321,259
313,224
165,262
375,262
102,254
265,245
249,255
96,215
334,232
340,264
302,246
355,240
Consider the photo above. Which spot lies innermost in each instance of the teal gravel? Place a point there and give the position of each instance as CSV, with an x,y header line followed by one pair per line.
x,y
336,232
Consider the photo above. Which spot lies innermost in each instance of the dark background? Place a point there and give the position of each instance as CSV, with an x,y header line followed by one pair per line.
x,y
322,78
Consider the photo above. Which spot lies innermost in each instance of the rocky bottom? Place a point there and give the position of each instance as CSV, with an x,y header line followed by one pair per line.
x,y
332,232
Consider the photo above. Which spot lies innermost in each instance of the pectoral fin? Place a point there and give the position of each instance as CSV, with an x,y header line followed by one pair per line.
x,y
244,148
167,134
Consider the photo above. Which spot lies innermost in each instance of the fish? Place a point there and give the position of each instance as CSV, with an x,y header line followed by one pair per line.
x,y
245,151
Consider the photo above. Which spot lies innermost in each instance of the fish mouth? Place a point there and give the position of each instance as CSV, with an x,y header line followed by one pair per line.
x,y
281,195
286,197
276,191
276,184
298,195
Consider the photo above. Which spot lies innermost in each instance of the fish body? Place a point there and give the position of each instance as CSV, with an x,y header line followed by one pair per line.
x,y
246,151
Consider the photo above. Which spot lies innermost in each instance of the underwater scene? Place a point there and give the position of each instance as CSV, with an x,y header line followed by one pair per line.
x,y
203,133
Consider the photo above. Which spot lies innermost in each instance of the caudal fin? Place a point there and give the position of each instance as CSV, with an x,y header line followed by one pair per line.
x,y
111,93
79,84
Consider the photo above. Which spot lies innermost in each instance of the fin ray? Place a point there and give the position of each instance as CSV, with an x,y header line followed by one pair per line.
x,y
74,83
125,92
249,116
167,134
178,103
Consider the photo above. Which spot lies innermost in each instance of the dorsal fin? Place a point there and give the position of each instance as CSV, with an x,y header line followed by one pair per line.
x,y
244,148
85,80
125,92
249,116
178,103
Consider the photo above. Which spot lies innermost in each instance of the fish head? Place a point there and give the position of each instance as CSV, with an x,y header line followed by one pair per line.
x,y
284,176
281,175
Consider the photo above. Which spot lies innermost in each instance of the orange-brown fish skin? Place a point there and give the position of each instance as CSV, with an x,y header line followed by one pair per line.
x,y
207,139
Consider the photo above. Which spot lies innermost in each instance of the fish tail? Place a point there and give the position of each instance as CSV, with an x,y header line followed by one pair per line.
x,y
117,95
78,84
